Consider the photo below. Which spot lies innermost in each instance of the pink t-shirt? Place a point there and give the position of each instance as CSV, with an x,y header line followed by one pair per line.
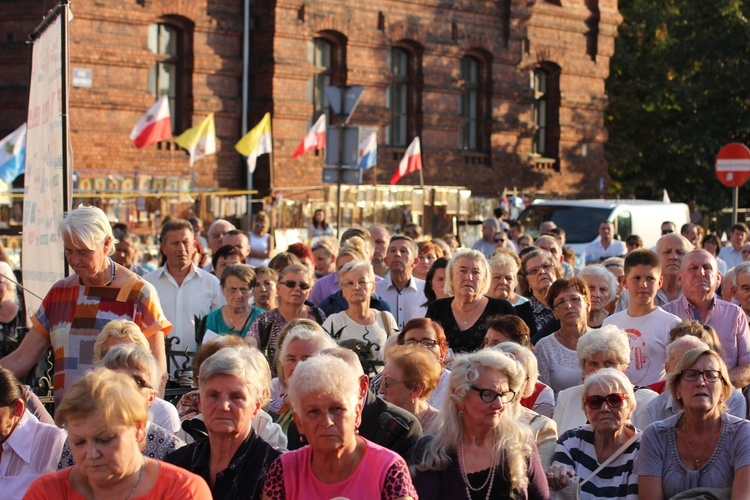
x,y
381,470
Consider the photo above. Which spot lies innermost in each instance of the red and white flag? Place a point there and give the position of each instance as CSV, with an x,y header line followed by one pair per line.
x,y
154,126
411,162
315,138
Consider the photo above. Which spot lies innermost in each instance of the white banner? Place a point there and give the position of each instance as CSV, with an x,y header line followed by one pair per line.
x,y
42,258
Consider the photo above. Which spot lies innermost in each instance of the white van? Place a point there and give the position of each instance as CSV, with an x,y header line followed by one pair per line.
x,y
580,219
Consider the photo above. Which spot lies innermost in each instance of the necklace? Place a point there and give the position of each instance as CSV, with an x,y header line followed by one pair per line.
x,y
460,315
462,467
708,443
113,271
140,474
230,322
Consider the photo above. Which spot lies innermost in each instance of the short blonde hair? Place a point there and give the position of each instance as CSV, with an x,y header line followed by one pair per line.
x,y
324,375
358,265
608,340
686,362
89,225
104,391
133,357
245,363
483,285
121,329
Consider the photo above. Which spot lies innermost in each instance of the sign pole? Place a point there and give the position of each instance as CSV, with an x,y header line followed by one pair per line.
x,y
339,165
735,204
733,170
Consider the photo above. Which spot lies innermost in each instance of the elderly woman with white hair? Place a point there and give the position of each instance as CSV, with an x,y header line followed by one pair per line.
x,y
603,288
606,347
598,458
463,316
544,428
480,450
325,394
12,315
138,364
505,278
360,321
77,307
233,459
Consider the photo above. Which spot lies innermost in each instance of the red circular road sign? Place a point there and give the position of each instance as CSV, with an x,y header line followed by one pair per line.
x,y
733,164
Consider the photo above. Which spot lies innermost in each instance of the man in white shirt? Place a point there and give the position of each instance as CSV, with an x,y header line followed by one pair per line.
x,y
185,290
732,254
403,292
607,246
239,240
487,244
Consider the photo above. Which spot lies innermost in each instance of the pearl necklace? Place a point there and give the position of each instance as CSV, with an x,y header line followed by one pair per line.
x,y
462,467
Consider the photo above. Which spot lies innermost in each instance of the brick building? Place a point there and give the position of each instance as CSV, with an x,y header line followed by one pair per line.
x,y
507,93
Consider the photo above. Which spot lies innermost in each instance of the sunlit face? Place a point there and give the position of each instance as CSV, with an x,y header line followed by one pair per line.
x,y
325,262
494,337
643,283
701,395
737,238
599,289
227,406
400,258
488,232
104,452
216,235
357,286
553,247
618,272
540,274
382,238
328,422
86,262
698,275
421,337
600,360
124,253
237,292
297,351
426,260
607,418
260,226
264,292
502,284
225,261
178,247
238,241
478,414
571,308
467,278
672,249
606,229
393,388
293,296
438,283
742,291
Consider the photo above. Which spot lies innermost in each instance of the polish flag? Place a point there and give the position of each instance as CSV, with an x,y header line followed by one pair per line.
x,y
315,138
411,162
154,126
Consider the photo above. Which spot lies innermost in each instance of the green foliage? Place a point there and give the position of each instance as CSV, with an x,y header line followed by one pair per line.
x,y
679,90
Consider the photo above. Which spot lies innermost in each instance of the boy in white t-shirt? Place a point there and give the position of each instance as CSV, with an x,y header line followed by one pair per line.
x,y
646,324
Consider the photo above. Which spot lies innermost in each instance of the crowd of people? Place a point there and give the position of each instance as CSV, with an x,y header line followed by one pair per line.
x,y
382,365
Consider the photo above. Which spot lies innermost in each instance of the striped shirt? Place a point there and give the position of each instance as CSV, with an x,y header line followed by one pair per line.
x,y
72,315
730,324
575,449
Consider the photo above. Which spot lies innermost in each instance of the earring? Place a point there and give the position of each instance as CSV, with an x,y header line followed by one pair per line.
x,y
460,413
302,438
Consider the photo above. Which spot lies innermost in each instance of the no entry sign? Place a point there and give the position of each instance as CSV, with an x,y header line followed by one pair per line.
x,y
733,164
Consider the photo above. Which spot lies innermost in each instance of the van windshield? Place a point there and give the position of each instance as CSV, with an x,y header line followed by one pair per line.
x,y
581,224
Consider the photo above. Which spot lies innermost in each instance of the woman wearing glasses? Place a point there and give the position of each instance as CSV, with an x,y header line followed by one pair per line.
x,y
599,457
292,293
558,360
538,271
703,445
359,321
235,318
479,449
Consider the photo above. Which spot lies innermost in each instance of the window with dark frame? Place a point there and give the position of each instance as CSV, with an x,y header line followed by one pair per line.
x,y
164,76
539,112
469,105
323,62
545,82
399,96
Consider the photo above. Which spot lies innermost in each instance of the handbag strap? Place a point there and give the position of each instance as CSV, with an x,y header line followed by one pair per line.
x,y
609,460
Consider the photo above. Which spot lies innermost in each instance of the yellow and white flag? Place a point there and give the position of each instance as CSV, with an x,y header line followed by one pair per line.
x,y
200,141
256,142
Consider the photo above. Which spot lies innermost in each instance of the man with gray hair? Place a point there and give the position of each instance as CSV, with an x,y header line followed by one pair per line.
x,y
552,245
740,286
487,244
700,278
664,406
403,291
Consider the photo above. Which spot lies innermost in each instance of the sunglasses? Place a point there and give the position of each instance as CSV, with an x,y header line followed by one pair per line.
x,y
666,231
291,284
613,400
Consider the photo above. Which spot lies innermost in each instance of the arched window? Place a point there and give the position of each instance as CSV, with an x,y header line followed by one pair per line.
x,y
404,97
170,73
545,82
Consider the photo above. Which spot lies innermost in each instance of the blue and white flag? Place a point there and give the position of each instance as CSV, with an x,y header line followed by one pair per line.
x,y
368,152
13,155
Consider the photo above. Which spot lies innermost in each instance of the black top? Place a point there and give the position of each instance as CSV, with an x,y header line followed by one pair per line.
x,y
470,339
382,423
242,479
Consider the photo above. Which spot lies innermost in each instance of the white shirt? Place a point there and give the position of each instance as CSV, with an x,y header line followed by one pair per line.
x,y
164,414
407,303
596,251
31,450
731,256
199,294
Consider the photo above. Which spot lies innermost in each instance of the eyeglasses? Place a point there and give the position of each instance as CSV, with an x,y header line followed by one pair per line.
x,y
666,231
708,375
547,268
142,384
499,240
387,382
613,400
428,343
244,292
291,284
358,284
489,396
573,302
